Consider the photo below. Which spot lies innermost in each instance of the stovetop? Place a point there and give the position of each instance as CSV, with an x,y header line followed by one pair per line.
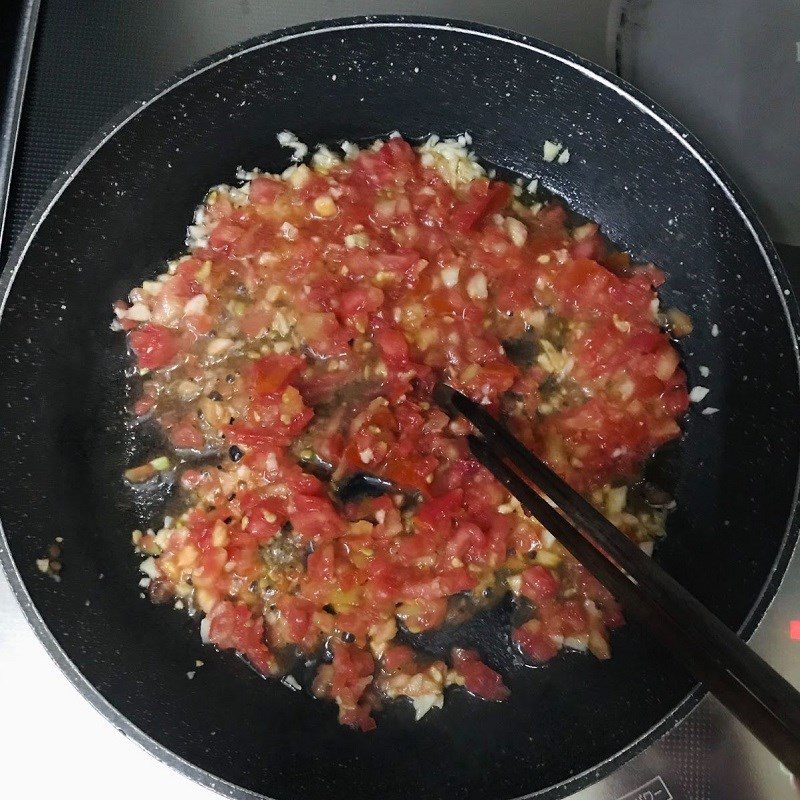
x,y
86,65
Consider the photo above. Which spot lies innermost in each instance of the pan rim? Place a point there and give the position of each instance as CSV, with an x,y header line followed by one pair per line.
x,y
608,80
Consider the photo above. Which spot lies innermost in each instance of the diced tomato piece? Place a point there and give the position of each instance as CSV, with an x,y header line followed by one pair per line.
x,y
187,434
254,322
398,154
274,372
468,544
362,299
534,641
265,190
485,198
315,518
265,518
298,614
321,565
224,235
351,666
397,656
408,472
479,679
191,478
539,584
490,380
449,582
155,346
590,246
232,626
359,716
422,614
393,346
563,618
436,511
325,336
143,406
352,673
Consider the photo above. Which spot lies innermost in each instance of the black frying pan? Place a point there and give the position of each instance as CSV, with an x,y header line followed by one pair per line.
x,y
121,209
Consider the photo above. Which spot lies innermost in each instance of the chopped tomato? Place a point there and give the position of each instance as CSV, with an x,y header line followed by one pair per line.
x,y
484,198
143,406
538,584
422,614
397,656
187,435
298,614
231,626
315,518
336,506
223,236
535,642
265,190
155,346
393,345
478,678
274,372
352,673
359,300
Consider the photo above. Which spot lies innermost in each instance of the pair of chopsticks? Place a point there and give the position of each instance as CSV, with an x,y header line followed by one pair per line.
x,y
757,695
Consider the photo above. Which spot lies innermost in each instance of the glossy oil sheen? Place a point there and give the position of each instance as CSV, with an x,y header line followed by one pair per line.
x,y
65,443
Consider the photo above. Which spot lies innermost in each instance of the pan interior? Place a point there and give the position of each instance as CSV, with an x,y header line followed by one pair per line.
x,y
65,440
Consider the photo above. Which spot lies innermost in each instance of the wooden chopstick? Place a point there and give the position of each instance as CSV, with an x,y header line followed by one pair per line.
x,y
764,701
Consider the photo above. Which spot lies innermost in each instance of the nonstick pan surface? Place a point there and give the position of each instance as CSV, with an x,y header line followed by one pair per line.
x,y
122,208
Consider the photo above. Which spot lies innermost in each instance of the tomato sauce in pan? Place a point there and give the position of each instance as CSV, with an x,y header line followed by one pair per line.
x,y
328,504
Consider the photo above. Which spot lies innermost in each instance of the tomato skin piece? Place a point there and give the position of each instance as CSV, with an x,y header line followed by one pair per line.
x,y
155,346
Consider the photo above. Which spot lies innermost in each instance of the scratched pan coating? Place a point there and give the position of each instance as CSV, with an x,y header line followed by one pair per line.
x,y
122,207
